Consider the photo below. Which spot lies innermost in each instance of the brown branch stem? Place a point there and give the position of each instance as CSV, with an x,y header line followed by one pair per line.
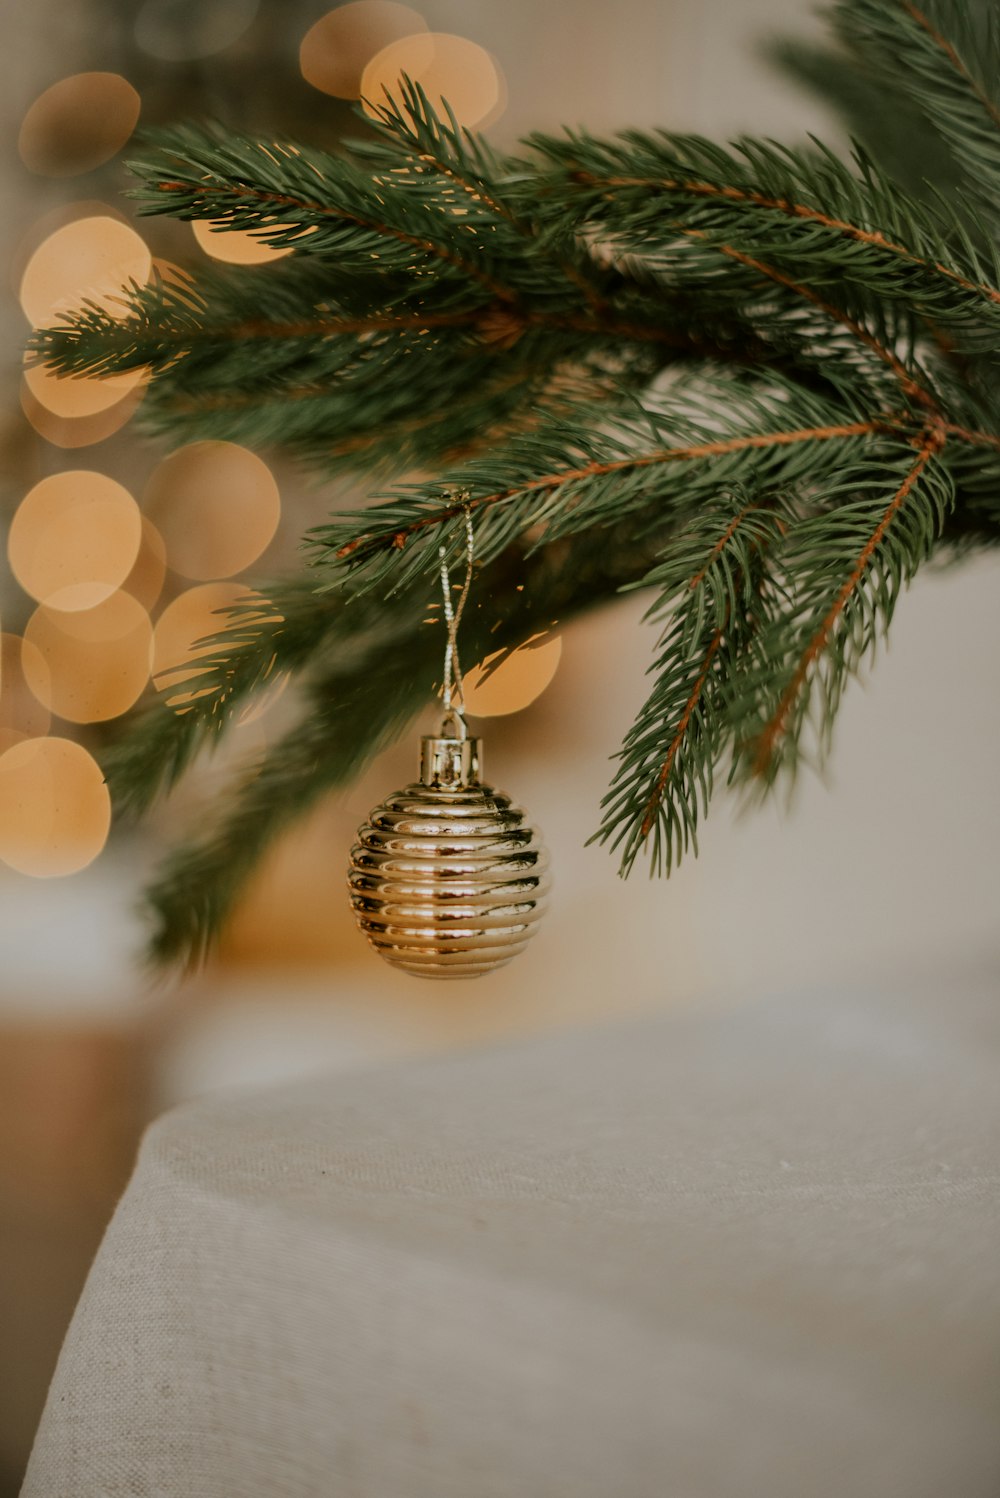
x,y
931,443
949,51
653,804
909,385
875,237
398,538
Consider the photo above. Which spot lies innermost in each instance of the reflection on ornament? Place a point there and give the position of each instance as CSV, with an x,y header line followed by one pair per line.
x,y
447,878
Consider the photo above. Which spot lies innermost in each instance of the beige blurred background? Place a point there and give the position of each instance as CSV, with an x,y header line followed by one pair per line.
x,y
883,875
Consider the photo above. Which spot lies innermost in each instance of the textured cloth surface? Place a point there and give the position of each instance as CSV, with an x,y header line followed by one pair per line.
x,y
742,1255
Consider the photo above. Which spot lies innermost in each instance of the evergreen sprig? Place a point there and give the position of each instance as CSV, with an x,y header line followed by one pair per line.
x,y
757,381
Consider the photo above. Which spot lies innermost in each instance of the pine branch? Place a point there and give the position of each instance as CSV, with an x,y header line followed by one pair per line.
x,y
761,382
766,201
842,571
439,149
572,476
293,197
711,584
944,57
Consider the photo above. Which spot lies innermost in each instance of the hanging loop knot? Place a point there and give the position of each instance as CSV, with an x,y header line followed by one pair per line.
x,y
453,724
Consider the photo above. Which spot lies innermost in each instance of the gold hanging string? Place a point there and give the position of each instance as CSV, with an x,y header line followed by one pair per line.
x,y
454,700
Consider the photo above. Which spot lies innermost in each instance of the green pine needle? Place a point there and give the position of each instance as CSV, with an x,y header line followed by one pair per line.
x,y
759,382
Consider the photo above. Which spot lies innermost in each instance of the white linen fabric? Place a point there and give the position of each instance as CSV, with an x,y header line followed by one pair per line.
x,y
751,1254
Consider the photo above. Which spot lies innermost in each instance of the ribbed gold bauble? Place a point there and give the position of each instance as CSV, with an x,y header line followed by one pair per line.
x,y
447,878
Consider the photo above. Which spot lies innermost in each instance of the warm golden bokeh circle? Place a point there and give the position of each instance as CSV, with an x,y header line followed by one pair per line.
x,y
88,258
22,715
96,661
74,539
235,246
80,396
196,614
78,123
447,67
55,810
46,224
217,507
337,49
80,431
516,683
145,581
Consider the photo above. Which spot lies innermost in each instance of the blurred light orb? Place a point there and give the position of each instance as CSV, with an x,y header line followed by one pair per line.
x,y
22,715
80,431
74,539
179,30
516,683
96,661
234,246
337,49
447,67
78,123
47,223
75,396
145,581
55,811
90,258
180,629
217,507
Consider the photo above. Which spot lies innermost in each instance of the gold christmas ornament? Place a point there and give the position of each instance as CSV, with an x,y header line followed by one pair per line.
x,y
447,878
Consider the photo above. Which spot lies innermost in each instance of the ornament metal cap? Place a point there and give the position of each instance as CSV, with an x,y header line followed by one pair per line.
x,y
450,759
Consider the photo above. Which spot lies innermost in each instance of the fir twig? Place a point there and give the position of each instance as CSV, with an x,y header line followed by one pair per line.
x,y
758,381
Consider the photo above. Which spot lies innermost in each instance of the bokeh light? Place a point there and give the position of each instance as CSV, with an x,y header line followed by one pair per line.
x,y
80,431
145,581
96,661
22,715
90,258
78,123
76,396
515,683
55,810
337,49
446,67
196,614
235,246
46,224
217,507
178,30
74,539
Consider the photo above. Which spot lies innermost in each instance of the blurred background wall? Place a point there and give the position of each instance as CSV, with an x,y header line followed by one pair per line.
x,y
884,874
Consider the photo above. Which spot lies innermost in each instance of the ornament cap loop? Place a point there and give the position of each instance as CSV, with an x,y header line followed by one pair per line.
x,y
449,761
